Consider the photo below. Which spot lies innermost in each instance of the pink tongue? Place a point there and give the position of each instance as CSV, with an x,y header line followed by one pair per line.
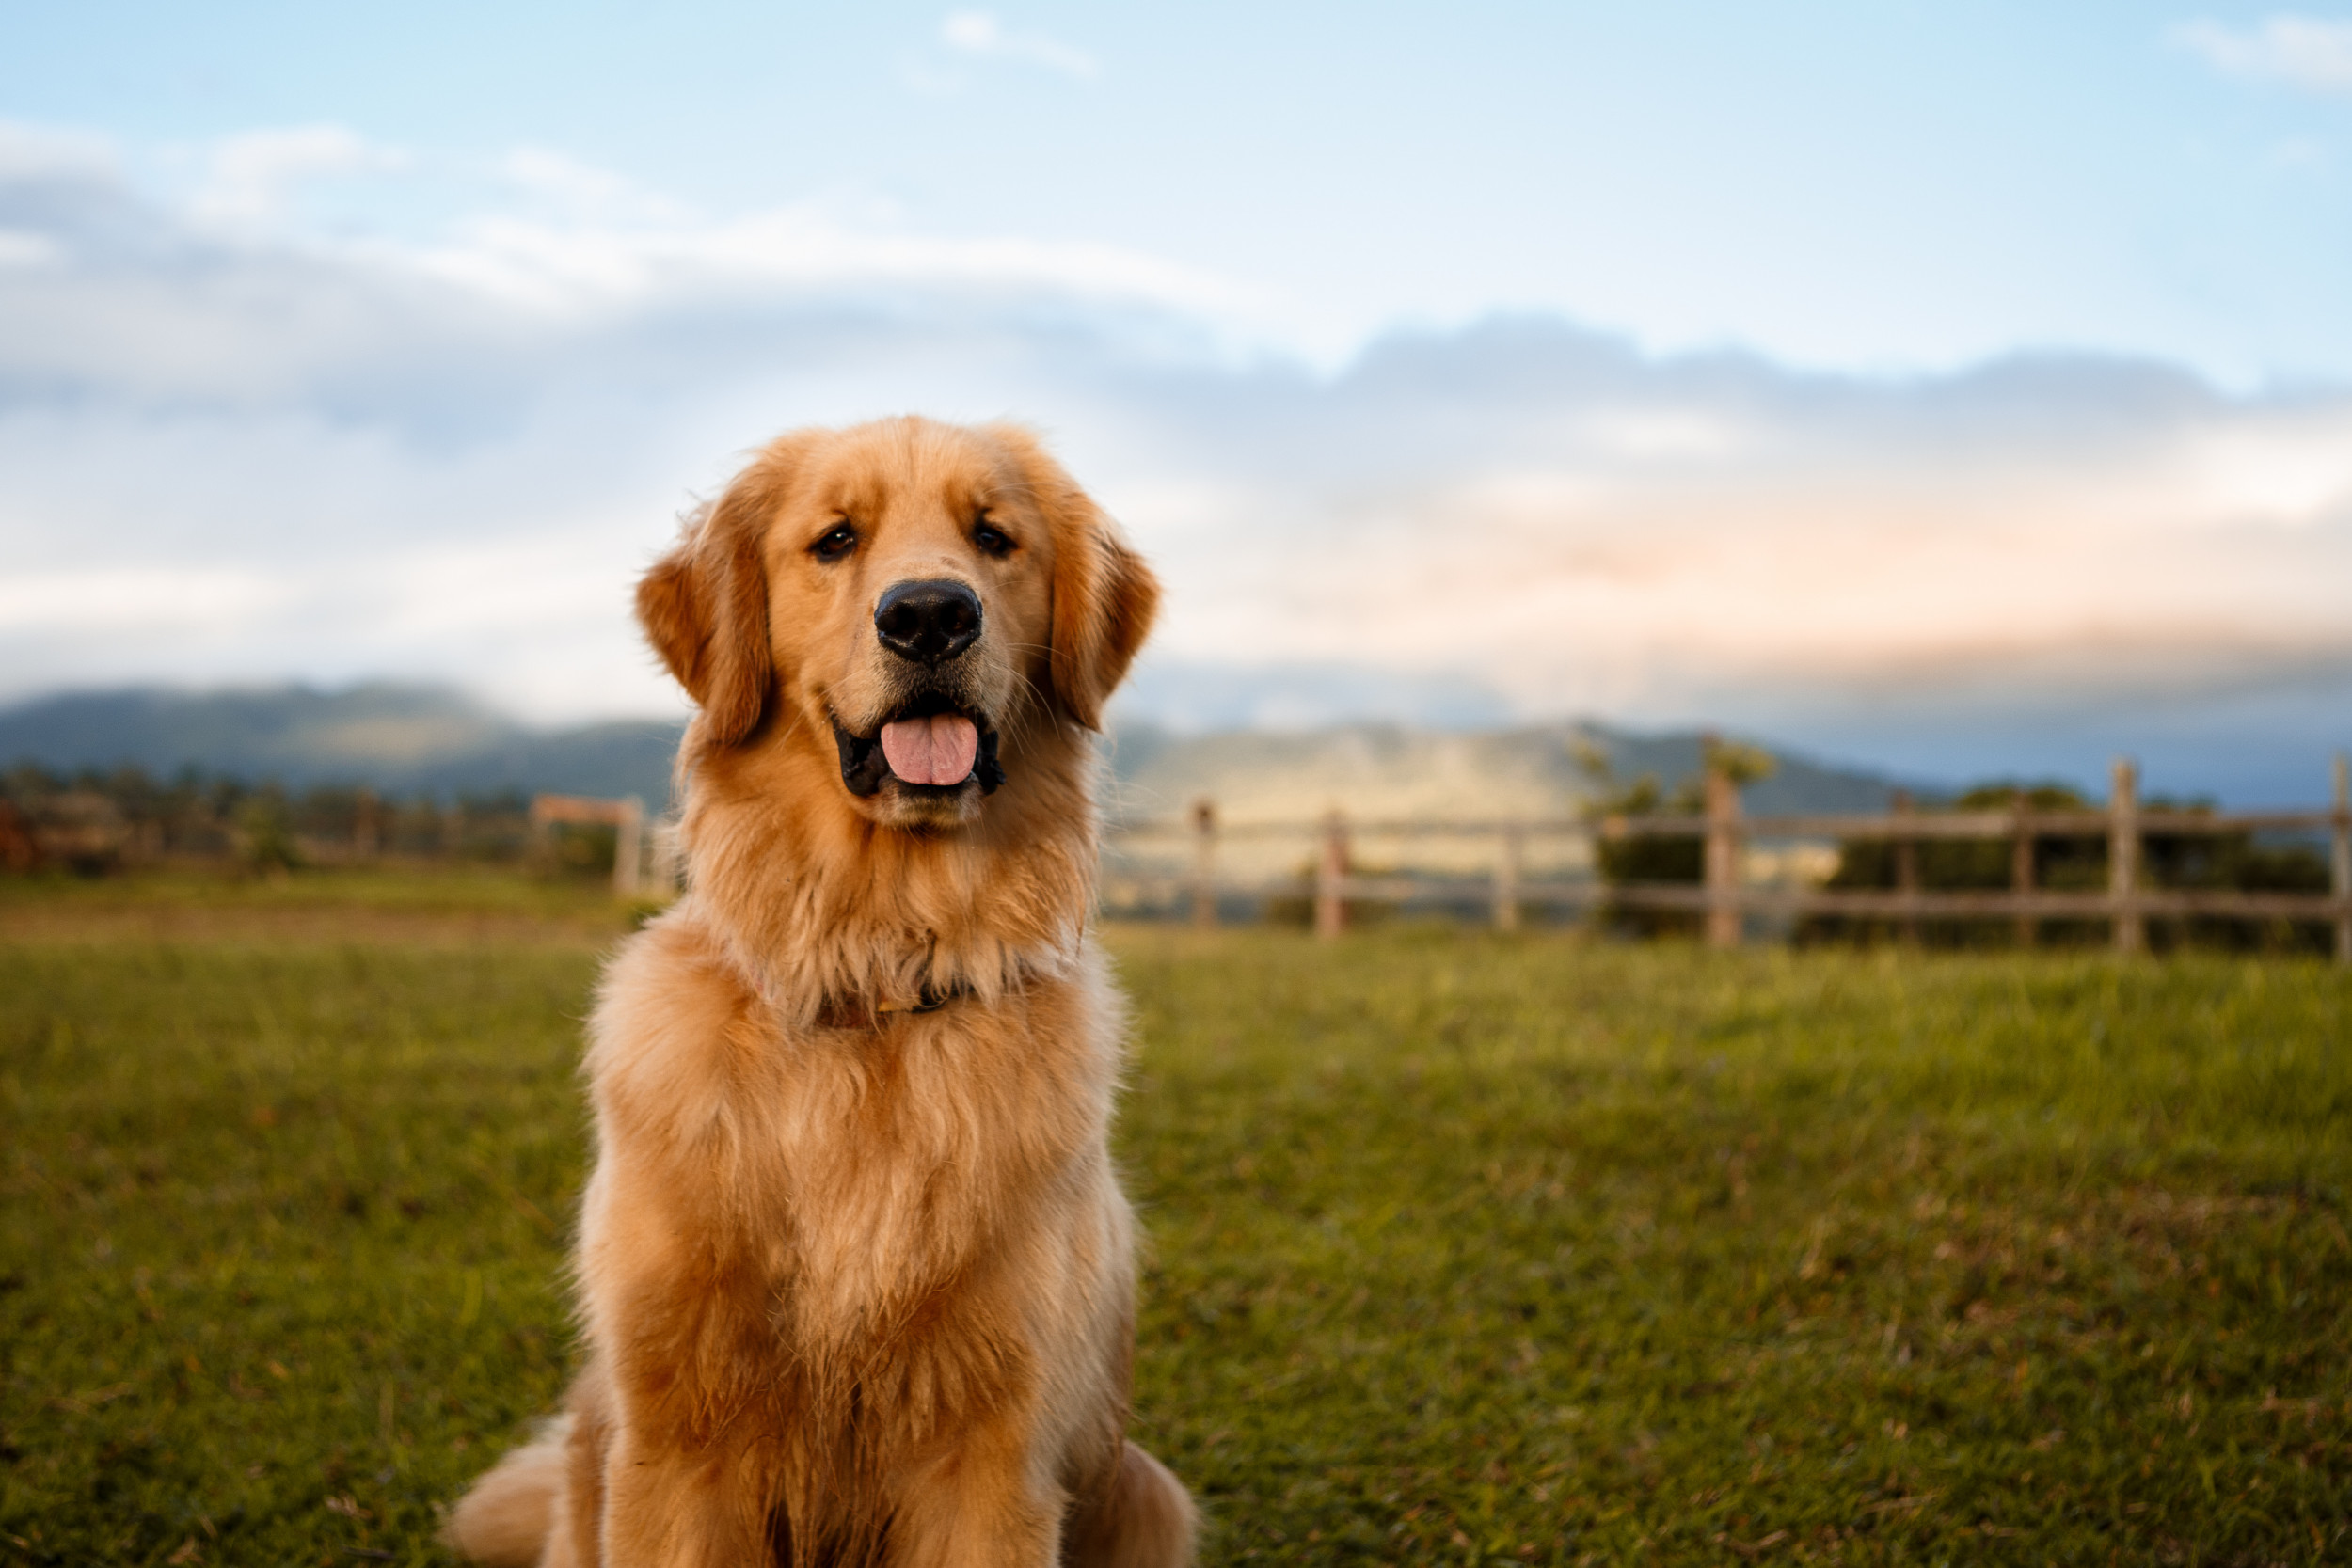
x,y
936,751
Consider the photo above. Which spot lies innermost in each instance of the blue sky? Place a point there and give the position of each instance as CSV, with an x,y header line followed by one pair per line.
x,y
1671,363
1889,185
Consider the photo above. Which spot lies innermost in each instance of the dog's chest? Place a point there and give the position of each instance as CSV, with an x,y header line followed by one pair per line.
x,y
901,1161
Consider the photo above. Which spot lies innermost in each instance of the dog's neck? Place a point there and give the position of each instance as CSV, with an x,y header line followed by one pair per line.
x,y
825,912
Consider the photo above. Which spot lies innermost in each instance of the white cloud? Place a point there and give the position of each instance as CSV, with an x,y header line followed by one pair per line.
x,y
585,191
108,288
980,33
1666,434
296,455
248,177
37,153
145,599
20,248
2291,471
527,260
2314,53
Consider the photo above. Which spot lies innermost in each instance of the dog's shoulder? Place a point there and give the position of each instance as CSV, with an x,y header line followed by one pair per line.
x,y
667,1036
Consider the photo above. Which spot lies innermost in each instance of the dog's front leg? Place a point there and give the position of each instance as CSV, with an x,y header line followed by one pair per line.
x,y
979,1503
671,1508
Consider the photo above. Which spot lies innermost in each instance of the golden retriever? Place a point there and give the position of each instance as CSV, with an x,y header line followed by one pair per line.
x,y
855,1275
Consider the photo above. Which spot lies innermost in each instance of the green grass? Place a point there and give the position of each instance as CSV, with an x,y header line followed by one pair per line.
x,y
1465,1249
1470,1248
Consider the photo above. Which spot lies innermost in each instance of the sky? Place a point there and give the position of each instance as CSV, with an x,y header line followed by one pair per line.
x,y
1961,389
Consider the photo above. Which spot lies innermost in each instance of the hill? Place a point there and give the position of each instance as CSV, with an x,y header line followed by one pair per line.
x,y
412,740
398,739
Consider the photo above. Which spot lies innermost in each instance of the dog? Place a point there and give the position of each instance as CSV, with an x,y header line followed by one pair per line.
x,y
856,1278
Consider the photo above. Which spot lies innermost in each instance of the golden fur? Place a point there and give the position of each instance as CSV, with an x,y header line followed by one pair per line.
x,y
857,1281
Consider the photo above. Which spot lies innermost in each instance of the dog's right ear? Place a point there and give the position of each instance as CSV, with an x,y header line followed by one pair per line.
x,y
704,605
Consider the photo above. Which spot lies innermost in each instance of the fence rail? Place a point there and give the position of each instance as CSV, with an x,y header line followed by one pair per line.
x,y
1723,900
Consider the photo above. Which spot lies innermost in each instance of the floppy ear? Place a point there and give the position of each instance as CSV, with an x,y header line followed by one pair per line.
x,y
704,605
1104,597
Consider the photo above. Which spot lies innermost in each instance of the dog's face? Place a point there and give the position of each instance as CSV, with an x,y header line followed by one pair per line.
x,y
914,597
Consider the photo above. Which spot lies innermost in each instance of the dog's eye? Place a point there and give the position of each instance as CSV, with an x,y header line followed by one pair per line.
x,y
834,545
992,539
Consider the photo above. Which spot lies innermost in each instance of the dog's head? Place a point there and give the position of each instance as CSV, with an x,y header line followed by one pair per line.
x,y
917,597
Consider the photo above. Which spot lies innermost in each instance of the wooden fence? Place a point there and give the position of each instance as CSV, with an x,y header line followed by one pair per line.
x,y
644,863
626,816
1723,899
88,830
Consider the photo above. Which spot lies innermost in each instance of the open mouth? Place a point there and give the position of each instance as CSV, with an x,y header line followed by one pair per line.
x,y
928,746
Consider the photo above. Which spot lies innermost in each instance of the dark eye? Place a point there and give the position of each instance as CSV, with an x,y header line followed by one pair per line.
x,y
992,539
834,545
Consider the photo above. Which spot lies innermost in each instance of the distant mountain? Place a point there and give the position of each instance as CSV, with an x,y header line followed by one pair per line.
x,y
1396,771
399,739
410,739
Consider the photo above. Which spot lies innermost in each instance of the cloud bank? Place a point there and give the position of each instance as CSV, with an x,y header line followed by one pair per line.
x,y
238,445
2308,52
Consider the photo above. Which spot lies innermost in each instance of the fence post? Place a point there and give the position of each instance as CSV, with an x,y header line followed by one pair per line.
x,y
1723,858
2341,879
1205,865
1906,868
665,857
1507,879
2020,865
2131,930
540,850
1330,873
628,855
365,836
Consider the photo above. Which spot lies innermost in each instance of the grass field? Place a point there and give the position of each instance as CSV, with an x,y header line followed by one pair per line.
x,y
1466,1249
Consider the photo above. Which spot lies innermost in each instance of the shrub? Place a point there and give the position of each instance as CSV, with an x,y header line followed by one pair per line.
x,y
2076,863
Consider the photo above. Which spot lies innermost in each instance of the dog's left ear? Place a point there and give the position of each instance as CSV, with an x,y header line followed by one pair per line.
x,y
1104,597
704,605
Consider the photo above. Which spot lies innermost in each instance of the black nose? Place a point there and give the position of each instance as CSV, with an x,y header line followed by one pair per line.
x,y
931,622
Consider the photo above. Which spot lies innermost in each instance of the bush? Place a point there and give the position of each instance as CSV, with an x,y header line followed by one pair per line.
x,y
1674,860
265,838
2078,863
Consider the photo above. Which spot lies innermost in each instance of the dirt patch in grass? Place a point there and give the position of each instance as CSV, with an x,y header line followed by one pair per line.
x,y
309,908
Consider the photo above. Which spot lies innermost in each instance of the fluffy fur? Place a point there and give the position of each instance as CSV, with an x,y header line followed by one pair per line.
x,y
857,1279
